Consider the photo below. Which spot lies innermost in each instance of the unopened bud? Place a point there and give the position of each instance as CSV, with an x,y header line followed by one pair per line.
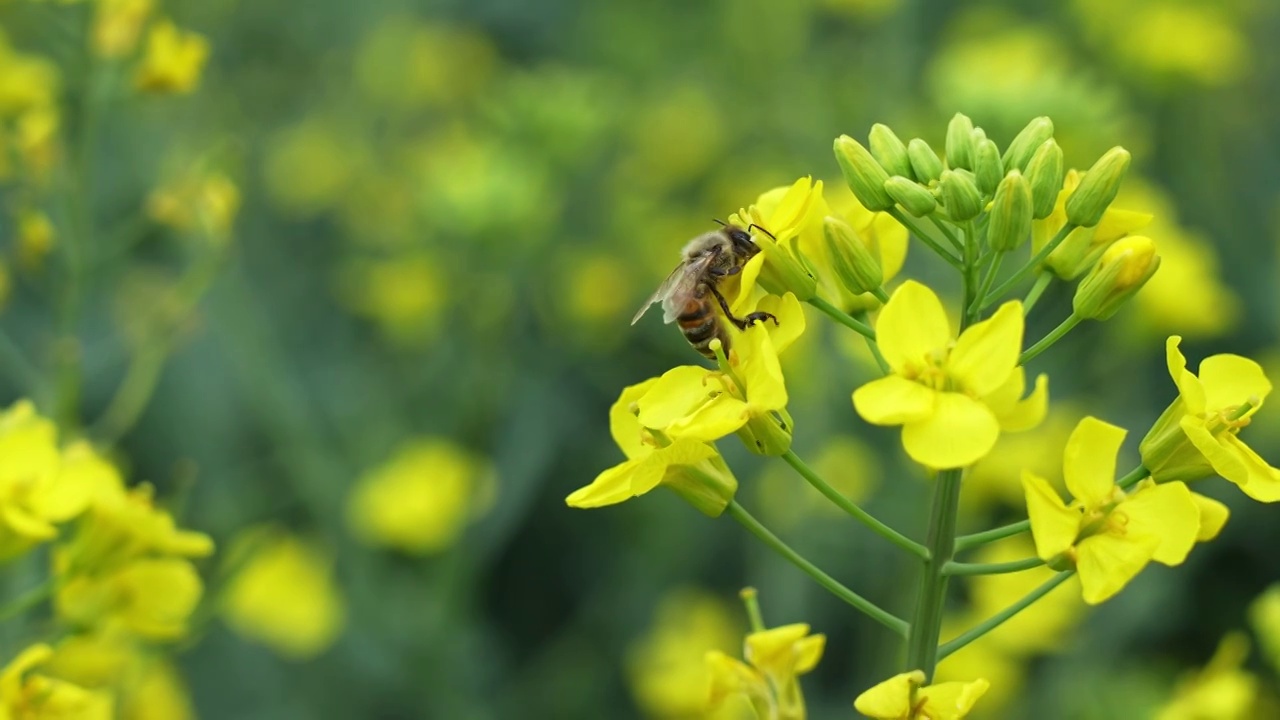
x,y
910,195
960,142
960,195
786,270
924,161
1098,188
987,166
889,151
863,173
1045,174
1010,215
851,259
1026,143
1121,271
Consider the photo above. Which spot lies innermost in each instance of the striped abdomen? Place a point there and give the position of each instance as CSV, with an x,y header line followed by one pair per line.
x,y
700,324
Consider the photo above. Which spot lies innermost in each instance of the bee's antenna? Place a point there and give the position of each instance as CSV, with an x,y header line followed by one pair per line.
x,y
753,226
720,222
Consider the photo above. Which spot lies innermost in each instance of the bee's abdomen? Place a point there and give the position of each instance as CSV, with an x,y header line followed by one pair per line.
x,y
700,326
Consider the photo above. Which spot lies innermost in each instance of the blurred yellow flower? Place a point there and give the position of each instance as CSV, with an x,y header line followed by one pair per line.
x,y
311,165
421,498
665,667
1264,617
906,697
36,142
1222,690
158,692
36,237
27,82
404,64
173,60
846,463
117,25
150,597
28,695
997,478
770,677
283,594
405,296
146,685
203,201
672,137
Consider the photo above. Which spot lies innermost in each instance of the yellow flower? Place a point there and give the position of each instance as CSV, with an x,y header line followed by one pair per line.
x,y
952,397
1222,689
1107,534
1082,248
173,59
406,295
692,468
27,82
36,236
121,526
1197,435
158,692
284,594
204,201
420,499
27,695
117,25
906,697
781,265
693,403
150,597
146,685
775,659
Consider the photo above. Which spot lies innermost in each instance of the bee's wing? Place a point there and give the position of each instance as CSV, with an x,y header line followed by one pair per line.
x,y
671,293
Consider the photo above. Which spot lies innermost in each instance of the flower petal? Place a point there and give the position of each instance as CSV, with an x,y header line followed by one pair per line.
x,y
1054,526
761,371
623,424
890,699
952,700
1189,386
676,394
1107,563
1223,456
1213,516
609,488
1089,461
912,325
809,652
791,323
747,287
713,420
683,452
987,352
1231,380
1025,413
894,400
960,432
1264,481
1167,512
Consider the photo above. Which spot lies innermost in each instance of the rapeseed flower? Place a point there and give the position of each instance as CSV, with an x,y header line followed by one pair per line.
x,y
1084,245
775,660
906,697
30,695
952,396
172,61
782,265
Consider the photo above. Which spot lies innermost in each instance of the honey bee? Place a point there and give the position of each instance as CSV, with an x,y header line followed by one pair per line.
x,y
687,292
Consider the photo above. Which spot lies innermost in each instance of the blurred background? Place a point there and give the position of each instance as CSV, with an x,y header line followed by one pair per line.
x,y
352,289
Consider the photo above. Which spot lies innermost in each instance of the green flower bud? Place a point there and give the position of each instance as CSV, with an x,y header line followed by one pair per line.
x,y
960,195
960,142
786,269
1121,271
909,194
851,259
987,166
708,486
1010,213
924,161
1045,173
766,435
863,173
1098,188
1026,143
889,150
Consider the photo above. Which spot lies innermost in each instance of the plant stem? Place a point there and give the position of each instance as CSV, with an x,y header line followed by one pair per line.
x,y
926,623
881,295
990,278
852,508
27,600
946,232
1133,477
1033,295
1054,336
964,542
875,612
843,318
1034,263
751,601
960,568
874,347
933,244
999,618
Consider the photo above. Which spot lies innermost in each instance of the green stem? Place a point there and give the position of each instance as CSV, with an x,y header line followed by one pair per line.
x,y
970,307
999,618
843,318
874,347
881,295
926,623
933,244
1033,296
1133,477
1034,263
751,600
946,232
1000,568
852,508
1054,336
875,612
964,542
27,600
990,278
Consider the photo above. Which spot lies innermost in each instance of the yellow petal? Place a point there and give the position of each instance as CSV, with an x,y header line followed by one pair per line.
x,y
1188,384
712,420
987,352
747,288
25,525
894,400
1231,380
1089,461
730,676
1054,526
682,452
1025,413
1264,481
793,209
952,700
1107,563
773,651
960,432
676,394
761,371
912,325
609,488
623,424
791,323
1117,223
1213,516
1168,512
891,699
809,652
1221,454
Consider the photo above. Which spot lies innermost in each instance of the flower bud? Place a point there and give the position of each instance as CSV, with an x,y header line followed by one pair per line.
x,y
987,166
1098,188
889,150
851,259
786,269
909,194
960,142
865,176
1123,269
960,195
1026,143
924,161
1045,174
765,435
1010,213
708,485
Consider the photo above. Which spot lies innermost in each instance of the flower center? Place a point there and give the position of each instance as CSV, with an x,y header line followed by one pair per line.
x,y
932,372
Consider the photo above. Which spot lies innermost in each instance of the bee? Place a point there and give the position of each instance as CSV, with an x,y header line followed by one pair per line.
x,y
687,292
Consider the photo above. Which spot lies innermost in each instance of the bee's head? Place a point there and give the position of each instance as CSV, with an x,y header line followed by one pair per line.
x,y
740,239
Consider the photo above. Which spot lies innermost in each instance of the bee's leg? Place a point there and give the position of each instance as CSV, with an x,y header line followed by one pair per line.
x,y
741,324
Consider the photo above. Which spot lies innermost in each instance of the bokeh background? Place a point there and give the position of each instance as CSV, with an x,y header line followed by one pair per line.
x,y
358,301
